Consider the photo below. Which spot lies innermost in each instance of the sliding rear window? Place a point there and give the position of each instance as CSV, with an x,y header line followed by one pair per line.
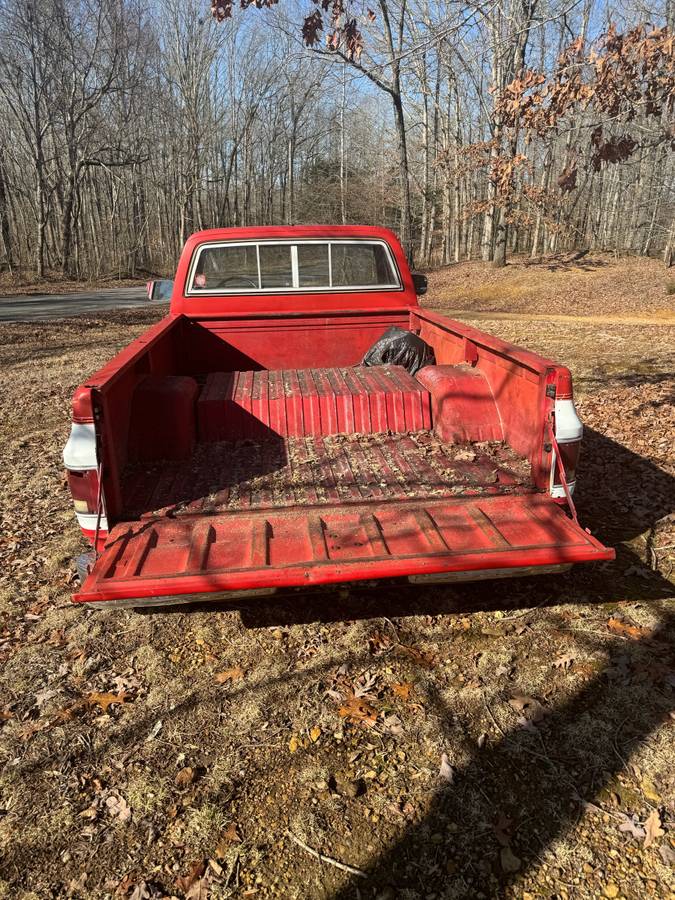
x,y
267,267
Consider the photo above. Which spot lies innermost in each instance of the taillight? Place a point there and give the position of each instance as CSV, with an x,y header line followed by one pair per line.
x,y
81,461
569,454
84,489
568,434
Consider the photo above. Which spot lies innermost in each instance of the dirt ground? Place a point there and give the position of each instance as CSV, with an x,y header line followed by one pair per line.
x,y
505,739
597,285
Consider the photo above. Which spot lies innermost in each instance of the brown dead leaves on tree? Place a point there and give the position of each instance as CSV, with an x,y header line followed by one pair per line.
x,y
342,28
343,32
617,85
222,9
620,77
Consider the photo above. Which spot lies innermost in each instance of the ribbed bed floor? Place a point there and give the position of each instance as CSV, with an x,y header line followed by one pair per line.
x,y
320,471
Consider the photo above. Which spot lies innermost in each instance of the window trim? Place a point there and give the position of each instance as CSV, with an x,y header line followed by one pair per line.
x,y
295,289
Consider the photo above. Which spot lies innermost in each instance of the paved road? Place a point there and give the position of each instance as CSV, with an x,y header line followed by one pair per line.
x,y
56,306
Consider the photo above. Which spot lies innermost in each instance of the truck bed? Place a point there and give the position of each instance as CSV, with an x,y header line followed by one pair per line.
x,y
253,453
321,470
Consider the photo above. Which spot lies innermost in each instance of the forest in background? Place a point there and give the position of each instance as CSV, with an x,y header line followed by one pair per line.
x,y
473,130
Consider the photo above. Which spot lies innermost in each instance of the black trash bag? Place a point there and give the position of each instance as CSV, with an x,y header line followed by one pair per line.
x,y
397,347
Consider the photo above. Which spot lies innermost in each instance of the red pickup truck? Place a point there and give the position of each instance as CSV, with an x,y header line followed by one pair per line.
x,y
240,446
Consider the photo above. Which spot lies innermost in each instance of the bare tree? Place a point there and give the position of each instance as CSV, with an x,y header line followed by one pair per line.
x,y
124,127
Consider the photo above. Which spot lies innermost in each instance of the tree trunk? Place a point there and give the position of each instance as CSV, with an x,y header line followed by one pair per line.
x,y
456,186
5,232
41,222
343,169
426,170
290,182
67,222
406,207
446,218
501,239
546,168
669,252
489,219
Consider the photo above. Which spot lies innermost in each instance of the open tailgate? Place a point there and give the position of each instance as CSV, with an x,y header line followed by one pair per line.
x,y
167,560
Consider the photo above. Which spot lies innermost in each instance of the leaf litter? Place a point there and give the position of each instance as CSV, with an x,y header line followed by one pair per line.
x,y
45,646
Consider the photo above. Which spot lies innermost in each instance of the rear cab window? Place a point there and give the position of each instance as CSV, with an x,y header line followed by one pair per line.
x,y
259,267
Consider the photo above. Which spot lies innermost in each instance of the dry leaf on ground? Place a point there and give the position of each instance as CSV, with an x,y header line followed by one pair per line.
x,y
379,642
105,701
509,860
229,836
140,892
563,662
402,690
185,882
531,709
618,626
364,686
89,813
200,888
502,829
234,674
29,729
422,657
41,697
446,771
118,808
357,710
631,825
392,724
185,776
653,829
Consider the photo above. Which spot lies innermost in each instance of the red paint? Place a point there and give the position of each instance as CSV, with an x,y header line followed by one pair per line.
x,y
81,403
90,535
170,557
516,377
463,406
287,365
163,418
297,403
563,384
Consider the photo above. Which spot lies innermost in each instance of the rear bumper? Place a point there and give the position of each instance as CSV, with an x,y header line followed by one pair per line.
x,y
262,593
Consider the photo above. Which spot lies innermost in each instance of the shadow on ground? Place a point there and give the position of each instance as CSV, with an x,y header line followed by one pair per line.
x,y
517,797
